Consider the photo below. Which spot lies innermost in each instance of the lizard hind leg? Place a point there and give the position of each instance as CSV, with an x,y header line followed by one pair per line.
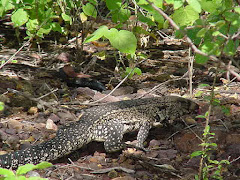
x,y
113,139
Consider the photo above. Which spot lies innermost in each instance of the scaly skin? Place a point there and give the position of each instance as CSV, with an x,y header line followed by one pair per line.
x,y
107,123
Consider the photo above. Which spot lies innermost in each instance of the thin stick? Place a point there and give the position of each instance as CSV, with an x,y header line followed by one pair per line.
x,y
112,90
11,58
190,70
91,103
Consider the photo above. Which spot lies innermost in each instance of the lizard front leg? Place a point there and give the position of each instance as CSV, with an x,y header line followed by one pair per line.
x,y
142,134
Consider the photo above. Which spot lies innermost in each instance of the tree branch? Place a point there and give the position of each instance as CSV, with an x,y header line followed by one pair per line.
x,y
192,45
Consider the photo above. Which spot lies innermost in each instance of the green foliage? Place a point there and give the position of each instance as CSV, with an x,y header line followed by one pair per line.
x,y
216,102
12,61
213,33
211,25
22,170
2,105
132,71
212,168
120,12
185,15
37,16
19,21
123,40
41,17
89,10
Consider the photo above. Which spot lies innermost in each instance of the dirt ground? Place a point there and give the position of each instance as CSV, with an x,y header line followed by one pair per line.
x,y
38,101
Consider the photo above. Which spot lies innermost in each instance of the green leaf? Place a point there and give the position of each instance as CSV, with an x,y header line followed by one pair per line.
x,y
199,93
6,172
234,27
211,48
66,18
122,15
213,144
158,18
4,2
231,16
113,4
89,10
1,106
214,161
56,27
137,71
20,178
196,153
220,23
185,16
44,30
207,129
224,162
170,1
133,71
24,169
227,4
140,30
202,32
195,5
20,17
2,11
6,5
226,110
158,3
94,2
204,144
14,61
102,30
216,33
200,116
142,2
231,47
124,41
43,165
192,34
203,85
166,24
32,24
142,56
196,177
210,6
237,9
146,20
177,4
200,59
179,34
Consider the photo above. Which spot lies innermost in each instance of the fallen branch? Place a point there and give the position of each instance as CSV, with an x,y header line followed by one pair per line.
x,y
119,168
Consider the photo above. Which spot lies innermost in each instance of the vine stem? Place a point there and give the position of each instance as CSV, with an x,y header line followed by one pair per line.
x,y
189,41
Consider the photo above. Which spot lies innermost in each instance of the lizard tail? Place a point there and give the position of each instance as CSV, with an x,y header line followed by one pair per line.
x,y
65,142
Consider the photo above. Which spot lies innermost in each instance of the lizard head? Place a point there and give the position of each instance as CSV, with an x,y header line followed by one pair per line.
x,y
188,105
182,107
174,107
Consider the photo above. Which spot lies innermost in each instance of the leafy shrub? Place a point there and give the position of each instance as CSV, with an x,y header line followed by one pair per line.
x,y
23,170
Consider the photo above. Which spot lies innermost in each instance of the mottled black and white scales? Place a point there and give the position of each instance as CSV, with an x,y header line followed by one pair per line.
x,y
107,123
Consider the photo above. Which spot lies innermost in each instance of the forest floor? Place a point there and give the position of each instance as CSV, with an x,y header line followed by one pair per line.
x,y
43,102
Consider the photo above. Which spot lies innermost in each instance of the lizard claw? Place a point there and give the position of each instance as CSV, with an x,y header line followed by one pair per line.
x,y
137,147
